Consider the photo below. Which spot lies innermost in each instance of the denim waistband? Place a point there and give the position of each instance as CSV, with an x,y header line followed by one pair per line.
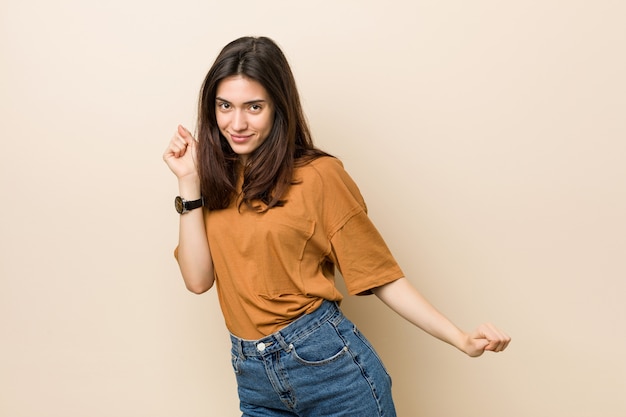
x,y
282,339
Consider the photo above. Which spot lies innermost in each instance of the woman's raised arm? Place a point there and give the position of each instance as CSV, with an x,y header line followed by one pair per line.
x,y
193,253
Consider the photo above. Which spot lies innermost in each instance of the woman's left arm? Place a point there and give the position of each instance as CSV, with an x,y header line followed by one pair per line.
x,y
405,300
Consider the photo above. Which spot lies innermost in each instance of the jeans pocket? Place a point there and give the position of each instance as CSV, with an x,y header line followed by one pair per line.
x,y
322,346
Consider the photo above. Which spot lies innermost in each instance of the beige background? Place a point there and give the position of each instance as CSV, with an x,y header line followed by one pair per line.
x,y
487,137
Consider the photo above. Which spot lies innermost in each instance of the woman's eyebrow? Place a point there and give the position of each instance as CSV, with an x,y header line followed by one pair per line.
x,y
255,101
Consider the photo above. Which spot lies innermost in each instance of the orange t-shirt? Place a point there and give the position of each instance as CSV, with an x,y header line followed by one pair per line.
x,y
273,267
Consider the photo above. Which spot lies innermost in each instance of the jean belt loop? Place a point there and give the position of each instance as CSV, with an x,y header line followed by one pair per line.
x,y
282,342
240,349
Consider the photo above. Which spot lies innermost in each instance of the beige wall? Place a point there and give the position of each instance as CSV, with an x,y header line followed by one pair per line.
x,y
487,137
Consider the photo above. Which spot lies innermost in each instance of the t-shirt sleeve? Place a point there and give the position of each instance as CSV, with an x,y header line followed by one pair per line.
x,y
357,248
362,256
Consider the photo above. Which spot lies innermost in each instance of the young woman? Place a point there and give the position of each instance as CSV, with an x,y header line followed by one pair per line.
x,y
268,217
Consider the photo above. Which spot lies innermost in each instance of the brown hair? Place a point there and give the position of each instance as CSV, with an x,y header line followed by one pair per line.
x,y
269,172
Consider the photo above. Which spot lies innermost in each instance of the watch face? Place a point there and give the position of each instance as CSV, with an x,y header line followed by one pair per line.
x,y
178,203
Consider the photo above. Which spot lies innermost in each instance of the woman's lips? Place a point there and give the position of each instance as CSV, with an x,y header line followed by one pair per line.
x,y
240,138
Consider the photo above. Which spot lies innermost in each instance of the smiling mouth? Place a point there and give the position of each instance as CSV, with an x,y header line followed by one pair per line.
x,y
240,138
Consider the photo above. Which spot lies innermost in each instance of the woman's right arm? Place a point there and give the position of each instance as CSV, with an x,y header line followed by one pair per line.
x,y
193,253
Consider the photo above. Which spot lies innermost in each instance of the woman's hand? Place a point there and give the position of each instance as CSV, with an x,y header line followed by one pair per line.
x,y
180,155
486,338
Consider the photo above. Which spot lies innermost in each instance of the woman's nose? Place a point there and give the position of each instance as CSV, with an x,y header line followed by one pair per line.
x,y
239,122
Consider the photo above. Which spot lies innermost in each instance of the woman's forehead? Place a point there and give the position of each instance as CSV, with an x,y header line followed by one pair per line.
x,y
241,89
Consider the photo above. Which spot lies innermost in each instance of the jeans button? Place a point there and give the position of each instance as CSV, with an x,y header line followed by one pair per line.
x,y
260,347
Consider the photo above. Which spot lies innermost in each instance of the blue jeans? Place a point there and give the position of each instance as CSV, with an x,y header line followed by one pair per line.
x,y
319,365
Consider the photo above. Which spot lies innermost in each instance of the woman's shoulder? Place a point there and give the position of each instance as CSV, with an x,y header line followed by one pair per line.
x,y
323,165
320,170
329,173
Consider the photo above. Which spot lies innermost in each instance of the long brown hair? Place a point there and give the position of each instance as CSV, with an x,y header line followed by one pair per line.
x,y
269,171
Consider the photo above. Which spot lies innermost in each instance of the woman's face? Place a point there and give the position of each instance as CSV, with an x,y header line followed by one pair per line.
x,y
245,114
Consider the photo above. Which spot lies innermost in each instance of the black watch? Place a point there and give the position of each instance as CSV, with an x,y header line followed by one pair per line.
x,y
183,206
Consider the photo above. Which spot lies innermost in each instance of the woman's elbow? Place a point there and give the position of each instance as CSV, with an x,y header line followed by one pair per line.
x,y
197,280
199,287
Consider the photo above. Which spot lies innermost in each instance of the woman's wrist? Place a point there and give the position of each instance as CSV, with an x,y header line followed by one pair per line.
x,y
464,343
459,339
189,187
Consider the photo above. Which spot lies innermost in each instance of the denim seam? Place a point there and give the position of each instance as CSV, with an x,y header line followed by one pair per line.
x,y
361,337
277,377
365,375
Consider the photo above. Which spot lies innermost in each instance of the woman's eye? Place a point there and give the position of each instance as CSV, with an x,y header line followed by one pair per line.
x,y
223,106
255,107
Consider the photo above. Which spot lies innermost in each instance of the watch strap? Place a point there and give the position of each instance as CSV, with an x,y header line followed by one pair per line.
x,y
190,205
